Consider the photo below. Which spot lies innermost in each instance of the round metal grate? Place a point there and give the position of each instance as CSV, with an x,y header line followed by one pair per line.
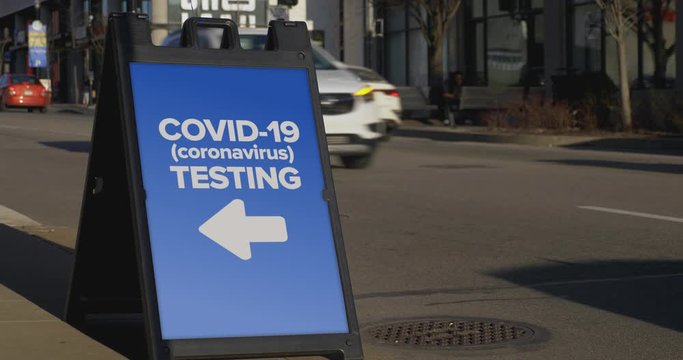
x,y
448,334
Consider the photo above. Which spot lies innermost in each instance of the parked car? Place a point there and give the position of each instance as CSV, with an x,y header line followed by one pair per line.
x,y
23,91
386,96
350,115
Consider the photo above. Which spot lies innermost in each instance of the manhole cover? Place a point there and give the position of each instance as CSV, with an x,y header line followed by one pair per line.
x,y
454,166
450,334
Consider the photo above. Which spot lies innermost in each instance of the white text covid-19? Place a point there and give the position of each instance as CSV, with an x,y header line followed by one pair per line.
x,y
230,154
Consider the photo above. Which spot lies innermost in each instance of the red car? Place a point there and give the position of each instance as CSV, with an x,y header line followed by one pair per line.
x,y
21,90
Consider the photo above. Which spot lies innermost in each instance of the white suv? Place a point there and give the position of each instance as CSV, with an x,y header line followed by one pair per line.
x,y
351,119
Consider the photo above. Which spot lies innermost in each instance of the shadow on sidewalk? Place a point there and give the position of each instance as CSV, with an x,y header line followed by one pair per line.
x,y
653,167
72,146
35,268
661,145
650,291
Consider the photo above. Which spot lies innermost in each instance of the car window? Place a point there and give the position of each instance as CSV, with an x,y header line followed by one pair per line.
x,y
253,42
322,60
321,63
20,79
207,38
258,42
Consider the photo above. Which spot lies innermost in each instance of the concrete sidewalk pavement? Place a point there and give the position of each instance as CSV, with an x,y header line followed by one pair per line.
x,y
641,143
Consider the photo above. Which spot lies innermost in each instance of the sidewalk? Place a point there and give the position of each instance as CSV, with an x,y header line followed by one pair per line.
x,y
73,108
670,145
34,276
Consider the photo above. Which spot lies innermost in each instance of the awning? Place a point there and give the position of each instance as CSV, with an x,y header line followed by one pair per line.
x,y
8,7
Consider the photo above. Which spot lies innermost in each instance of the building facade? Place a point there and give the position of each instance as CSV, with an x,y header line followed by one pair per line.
x,y
496,44
516,43
76,30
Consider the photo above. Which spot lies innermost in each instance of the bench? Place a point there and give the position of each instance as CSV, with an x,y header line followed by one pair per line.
x,y
476,101
414,104
494,98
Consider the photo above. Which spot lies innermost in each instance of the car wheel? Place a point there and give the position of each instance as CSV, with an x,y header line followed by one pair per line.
x,y
43,109
357,161
2,105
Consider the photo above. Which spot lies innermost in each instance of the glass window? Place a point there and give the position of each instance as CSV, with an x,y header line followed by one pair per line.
x,y
659,57
253,42
396,55
506,50
480,57
395,18
418,71
499,7
412,22
477,8
587,38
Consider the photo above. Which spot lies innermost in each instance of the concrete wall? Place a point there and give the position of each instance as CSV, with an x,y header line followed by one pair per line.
x,y
325,16
354,32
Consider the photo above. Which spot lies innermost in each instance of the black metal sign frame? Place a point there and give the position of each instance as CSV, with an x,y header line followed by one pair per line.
x,y
112,290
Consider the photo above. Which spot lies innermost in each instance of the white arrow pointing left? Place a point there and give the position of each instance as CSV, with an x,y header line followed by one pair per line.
x,y
232,229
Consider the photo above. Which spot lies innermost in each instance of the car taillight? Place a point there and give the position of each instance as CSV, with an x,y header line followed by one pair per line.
x,y
11,91
393,93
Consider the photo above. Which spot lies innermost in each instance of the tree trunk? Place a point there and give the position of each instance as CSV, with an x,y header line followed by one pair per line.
x,y
624,85
436,63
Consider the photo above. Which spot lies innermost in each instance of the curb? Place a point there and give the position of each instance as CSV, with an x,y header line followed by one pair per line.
x,y
73,108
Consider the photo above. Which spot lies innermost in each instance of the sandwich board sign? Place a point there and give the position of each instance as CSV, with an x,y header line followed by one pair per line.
x,y
209,214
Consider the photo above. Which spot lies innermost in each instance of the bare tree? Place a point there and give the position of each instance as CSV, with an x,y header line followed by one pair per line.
x,y
433,18
97,30
655,13
619,18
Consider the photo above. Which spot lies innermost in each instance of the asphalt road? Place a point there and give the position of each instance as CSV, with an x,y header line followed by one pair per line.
x,y
584,247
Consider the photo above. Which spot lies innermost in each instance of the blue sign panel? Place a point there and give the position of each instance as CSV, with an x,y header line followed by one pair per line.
x,y
241,237
37,45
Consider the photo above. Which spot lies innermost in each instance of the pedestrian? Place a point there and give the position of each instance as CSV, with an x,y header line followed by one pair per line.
x,y
86,93
454,85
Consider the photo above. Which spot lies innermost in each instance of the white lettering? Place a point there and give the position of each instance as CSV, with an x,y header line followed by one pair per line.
x,y
162,129
201,130
180,174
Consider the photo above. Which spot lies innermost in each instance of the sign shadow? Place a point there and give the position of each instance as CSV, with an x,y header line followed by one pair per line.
x,y
35,269
650,291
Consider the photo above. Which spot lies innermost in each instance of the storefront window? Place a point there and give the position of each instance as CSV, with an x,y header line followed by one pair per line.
x,y
406,63
586,39
658,37
507,40
480,56
395,44
418,72
396,55
506,50
649,46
